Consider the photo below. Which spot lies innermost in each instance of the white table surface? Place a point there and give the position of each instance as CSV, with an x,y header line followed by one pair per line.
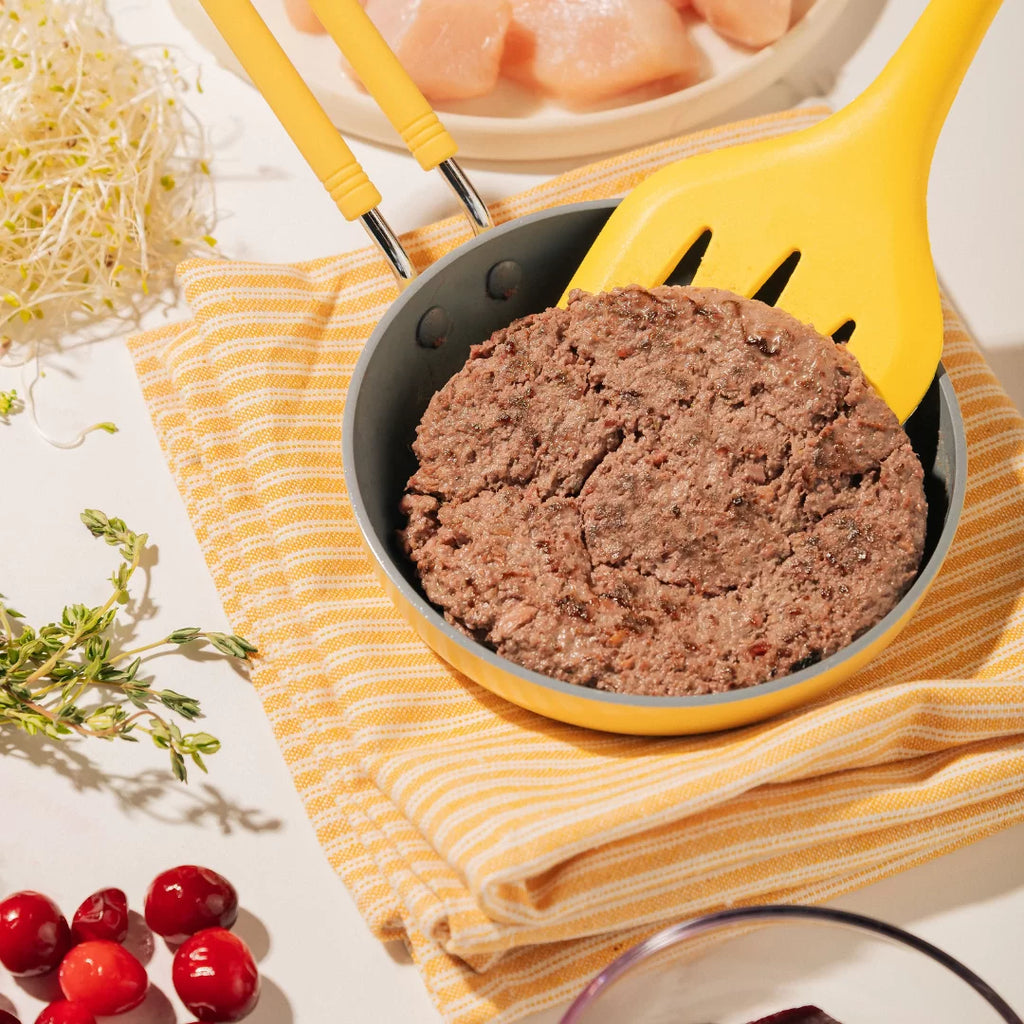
x,y
75,817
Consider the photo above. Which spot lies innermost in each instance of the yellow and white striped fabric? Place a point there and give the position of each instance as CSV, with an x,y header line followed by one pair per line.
x,y
515,855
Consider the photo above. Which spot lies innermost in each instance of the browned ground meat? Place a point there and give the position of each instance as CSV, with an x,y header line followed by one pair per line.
x,y
673,491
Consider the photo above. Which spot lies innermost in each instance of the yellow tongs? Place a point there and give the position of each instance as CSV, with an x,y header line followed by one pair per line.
x,y
319,142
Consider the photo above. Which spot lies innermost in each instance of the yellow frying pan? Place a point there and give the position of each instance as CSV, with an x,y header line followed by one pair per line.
x,y
854,211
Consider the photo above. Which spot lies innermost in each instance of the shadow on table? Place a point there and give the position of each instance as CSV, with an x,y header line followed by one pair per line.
x,y
125,633
147,792
250,928
1007,363
43,987
156,1008
273,1007
981,873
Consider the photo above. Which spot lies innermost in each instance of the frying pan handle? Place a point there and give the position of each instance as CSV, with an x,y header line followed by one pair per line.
x,y
295,106
910,99
386,80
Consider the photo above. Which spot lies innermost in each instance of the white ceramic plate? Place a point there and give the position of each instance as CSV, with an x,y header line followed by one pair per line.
x,y
511,124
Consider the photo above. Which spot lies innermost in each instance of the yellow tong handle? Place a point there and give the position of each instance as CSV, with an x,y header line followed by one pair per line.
x,y
294,105
386,80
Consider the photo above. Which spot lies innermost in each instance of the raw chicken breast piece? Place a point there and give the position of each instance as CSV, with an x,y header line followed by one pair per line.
x,y
451,48
301,15
754,23
584,51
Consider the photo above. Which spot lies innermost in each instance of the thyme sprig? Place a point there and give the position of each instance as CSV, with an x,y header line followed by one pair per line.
x,y
46,673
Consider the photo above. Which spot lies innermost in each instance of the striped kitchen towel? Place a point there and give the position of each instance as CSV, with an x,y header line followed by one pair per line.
x,y
516,855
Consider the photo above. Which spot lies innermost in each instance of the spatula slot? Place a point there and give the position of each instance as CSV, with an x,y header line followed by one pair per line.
x,y
770,291
686,268
843,334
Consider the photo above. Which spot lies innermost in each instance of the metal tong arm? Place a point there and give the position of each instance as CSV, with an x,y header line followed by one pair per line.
x,y
307,123
400,99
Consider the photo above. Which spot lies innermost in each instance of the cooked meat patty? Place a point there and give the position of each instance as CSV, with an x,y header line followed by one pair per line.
x,y
673,491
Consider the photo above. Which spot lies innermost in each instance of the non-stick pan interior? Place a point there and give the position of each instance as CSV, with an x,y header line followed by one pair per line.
x,y
534,258
399,374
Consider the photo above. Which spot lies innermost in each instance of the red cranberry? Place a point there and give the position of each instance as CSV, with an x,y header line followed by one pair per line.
x,y
65,1012
183,900
798,1015
104,976
8,1018
33,934
215,976
103,915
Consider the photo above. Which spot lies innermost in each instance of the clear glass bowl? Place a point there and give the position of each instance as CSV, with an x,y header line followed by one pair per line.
x,y
738,966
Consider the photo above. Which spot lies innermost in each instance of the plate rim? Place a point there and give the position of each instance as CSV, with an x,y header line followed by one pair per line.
x,y
554,131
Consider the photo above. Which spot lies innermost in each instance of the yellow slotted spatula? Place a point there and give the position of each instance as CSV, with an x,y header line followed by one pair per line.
x,y
848,195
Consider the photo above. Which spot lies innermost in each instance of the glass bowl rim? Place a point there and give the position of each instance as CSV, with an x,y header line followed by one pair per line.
x,y
674,934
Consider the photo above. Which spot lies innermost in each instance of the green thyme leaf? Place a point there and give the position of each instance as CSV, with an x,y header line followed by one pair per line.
x,y
187,707
183,636
233,646
64,679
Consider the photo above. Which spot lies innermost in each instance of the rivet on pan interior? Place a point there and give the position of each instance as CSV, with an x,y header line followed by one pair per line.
x,y
503,279
434,327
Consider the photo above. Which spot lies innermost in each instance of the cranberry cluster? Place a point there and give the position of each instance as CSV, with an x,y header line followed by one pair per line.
x,y
192,907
